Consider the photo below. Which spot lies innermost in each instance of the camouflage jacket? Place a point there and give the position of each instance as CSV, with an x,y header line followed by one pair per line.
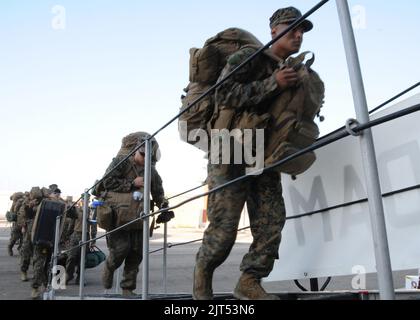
x,y
121,179
77,216
28,209
253,87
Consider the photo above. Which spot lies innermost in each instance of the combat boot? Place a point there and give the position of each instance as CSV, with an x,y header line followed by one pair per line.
x,y
249,288
36,293
23,276
127,293
202,284
10,250
107,278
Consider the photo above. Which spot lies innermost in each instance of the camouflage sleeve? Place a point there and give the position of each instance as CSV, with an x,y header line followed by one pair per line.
x,y
72,213
158,193
13,207
18,206
116,181
239,91
26,212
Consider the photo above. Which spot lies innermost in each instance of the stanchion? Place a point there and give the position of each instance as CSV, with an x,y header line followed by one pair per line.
x,y
83,249
380,239
165,257
54,269
146,197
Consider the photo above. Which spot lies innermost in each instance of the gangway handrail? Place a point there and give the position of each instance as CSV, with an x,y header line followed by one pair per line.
x,y
219,83
208,91
317,145
307,214
372,111
358,128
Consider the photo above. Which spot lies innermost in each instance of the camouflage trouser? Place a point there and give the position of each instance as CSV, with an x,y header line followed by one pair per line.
x,y
93,231
125,245
26,251
42,257
263,196
73,257
15,235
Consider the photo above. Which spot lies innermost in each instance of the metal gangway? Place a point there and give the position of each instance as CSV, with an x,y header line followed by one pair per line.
x,y
360,128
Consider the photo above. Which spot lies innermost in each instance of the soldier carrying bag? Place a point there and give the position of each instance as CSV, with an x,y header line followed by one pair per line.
x,y
293,127
118,209
206,64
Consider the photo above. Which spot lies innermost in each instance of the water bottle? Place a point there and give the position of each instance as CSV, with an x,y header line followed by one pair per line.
x,y
137,195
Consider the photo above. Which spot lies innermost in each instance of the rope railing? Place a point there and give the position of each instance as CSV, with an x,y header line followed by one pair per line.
x,y
399,95
324,141
335,131
329,139
206,93
217,85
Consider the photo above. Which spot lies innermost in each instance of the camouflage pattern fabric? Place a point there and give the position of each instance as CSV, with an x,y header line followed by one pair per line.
x,y
42,257
125,246
121,179
287,16
26,251
67,231
263,195
27,212
15,235
73,257
251,90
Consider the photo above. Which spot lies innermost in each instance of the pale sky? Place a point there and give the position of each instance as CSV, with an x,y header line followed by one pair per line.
x,y
68,96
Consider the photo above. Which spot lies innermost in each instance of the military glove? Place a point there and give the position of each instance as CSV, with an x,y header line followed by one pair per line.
x,y
165,217
165,204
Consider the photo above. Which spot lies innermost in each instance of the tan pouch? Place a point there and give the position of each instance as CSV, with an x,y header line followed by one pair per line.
x,y
251,120
125,209
105,217
295,166
202,64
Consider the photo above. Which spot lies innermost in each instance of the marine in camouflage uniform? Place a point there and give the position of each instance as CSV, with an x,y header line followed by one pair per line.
x,y
43,253
27,214
127,244
252,89
73,257
16,230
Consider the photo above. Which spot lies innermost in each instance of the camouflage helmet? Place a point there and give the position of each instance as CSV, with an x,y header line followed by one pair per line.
x,y
46,192
35,193
53,186
287,16
133,140
16,196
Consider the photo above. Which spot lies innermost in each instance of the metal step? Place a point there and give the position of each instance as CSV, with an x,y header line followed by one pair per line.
x,y
328,295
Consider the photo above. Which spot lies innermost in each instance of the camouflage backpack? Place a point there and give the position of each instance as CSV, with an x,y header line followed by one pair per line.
x,y
128,143
206,64
293,127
